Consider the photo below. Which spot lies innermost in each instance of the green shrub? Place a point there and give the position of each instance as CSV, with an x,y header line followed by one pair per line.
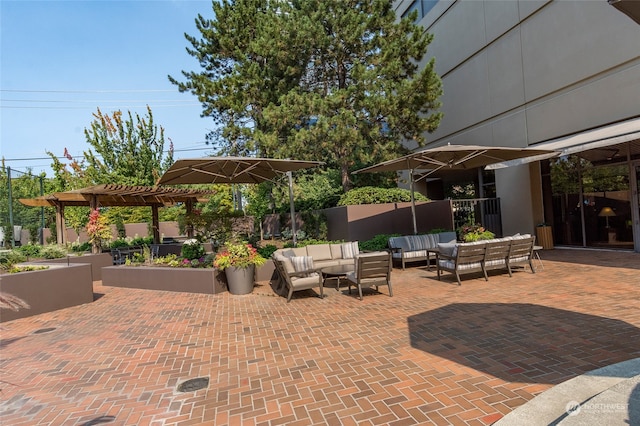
x,y
10,258
192,249
311,242
53,252
168,260
119,243
378,243
27,268
267,250
141,241
30,250
439,230
471,233
374,195
80,247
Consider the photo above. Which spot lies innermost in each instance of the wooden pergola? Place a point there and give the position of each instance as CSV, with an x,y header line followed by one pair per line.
x,y
110,195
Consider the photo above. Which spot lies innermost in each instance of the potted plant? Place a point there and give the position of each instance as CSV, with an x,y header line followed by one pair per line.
x,y
238,261
471,233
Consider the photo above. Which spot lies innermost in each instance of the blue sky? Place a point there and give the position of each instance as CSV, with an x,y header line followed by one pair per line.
x,y
61,60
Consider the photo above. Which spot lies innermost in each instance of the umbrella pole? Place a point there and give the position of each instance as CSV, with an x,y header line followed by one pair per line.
x,y
413,204
293,210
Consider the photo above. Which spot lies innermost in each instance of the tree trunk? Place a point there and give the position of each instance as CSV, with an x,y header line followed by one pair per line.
x,y
346,181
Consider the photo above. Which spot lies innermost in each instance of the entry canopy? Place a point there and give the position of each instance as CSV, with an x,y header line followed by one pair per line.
x,y
230,170
603,143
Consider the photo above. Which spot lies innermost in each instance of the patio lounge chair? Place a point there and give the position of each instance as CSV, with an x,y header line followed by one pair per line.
x,y
372,269
296,280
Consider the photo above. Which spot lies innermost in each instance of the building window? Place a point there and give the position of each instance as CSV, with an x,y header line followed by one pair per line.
x,y
422,6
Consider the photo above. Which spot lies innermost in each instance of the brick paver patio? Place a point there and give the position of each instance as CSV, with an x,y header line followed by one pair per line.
x,y
435,353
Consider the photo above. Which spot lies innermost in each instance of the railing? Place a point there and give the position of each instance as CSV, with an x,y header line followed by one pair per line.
x,y
485,211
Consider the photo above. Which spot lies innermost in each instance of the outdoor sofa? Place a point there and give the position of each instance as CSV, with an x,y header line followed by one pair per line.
x,y
299,267
485,255
414,248
323,255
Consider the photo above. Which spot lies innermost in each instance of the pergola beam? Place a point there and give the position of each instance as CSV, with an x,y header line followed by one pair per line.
x,y
119,195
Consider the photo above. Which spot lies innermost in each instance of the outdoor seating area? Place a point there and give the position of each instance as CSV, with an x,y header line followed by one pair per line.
x,y
482,256
416,248
315,360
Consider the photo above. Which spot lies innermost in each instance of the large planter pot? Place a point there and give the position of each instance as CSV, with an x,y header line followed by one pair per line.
x,y
240,280
544,237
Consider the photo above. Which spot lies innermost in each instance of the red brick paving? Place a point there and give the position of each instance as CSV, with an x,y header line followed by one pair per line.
x,y
435,353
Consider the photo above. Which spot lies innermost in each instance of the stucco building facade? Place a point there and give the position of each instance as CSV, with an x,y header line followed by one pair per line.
x,y
546,74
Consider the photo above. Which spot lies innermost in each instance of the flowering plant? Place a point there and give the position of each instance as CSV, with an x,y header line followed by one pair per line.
x,y
98,230
240,255
192,249
470,233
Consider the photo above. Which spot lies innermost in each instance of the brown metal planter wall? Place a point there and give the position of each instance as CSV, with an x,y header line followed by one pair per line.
x,y
48,290
363,222
188,280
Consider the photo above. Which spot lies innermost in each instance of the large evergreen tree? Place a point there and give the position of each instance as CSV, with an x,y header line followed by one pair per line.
x,y
331,80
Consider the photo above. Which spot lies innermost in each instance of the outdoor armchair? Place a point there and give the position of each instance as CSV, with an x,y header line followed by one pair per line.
x,y
296,280
371,269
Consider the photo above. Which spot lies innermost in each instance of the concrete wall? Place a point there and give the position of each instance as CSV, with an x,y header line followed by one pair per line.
x,y
188,280
96,261
168,229
58,287
516,73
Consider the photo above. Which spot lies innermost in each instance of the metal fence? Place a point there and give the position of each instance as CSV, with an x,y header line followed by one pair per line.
x,y
484,211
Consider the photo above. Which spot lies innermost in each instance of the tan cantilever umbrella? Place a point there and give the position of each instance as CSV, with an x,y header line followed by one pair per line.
x,y
450,157
235,170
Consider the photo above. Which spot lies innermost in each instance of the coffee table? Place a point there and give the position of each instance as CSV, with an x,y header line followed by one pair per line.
x,y
337,272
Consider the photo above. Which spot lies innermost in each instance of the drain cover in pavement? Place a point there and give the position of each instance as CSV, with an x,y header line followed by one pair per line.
x,y
193,385
44,330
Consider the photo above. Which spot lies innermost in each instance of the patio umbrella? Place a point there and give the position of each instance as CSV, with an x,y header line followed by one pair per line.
x,y
449,157
233,170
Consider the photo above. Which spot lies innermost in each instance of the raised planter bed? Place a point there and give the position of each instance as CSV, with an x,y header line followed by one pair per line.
x,y
97,262
59,287
188,280
266,272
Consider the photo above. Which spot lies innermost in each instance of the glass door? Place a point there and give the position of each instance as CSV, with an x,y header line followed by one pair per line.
x,y
593,205
635,201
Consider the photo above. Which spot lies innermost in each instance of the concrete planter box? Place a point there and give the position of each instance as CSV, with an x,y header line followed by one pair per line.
x,y
97,262
58,287
266,272
187,280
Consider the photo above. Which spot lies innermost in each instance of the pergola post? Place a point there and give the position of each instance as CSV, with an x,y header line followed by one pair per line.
x,y
155,224
93,205
61,226
189,206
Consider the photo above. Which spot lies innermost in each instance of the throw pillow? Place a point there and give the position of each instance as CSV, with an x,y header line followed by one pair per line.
x,y
286,261
350,250
448,249
302,263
